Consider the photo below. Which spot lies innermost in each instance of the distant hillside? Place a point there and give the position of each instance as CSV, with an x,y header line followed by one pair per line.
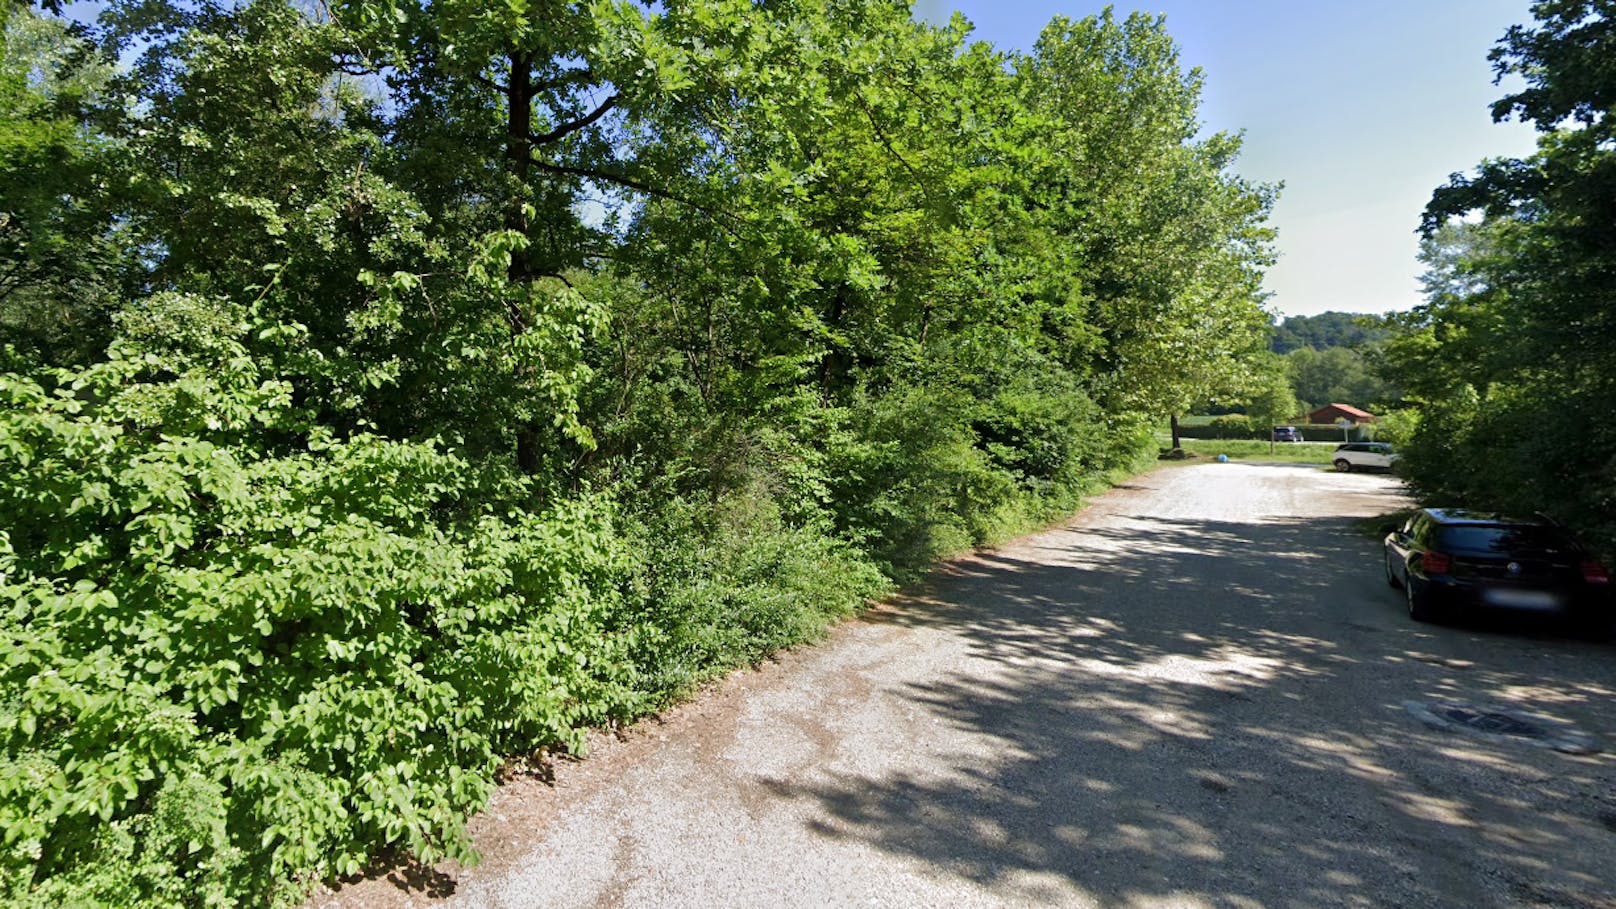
x,y
1326,330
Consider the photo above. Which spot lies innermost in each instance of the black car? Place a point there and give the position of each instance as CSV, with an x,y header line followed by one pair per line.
x,y
1287,434
1450,561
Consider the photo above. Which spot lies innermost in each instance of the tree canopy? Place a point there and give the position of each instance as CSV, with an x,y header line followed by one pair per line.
x,y
391,390
1328,329
1514,354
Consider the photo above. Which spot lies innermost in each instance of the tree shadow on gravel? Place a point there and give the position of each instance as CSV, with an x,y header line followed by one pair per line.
x,y
1213,713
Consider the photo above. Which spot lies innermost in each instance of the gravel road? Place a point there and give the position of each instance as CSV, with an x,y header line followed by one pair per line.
x,y
1197,693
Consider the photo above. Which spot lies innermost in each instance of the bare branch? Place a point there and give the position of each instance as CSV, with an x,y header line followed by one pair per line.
x,y
567,129
640,186
486,82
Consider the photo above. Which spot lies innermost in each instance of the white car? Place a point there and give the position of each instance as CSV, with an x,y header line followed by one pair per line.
x,y
1364,456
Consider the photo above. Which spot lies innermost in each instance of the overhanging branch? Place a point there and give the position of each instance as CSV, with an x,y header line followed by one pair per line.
x,y
640,186
567,129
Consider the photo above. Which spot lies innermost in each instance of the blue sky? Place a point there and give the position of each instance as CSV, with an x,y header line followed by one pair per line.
x,y
1361,108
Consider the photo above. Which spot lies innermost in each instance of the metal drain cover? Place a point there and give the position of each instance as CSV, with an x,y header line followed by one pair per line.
x,y
1502,724
1491,721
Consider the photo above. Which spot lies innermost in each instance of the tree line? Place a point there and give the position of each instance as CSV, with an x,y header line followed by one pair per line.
x,y
1512,359
394,390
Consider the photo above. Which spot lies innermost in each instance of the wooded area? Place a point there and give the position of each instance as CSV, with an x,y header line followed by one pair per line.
x,y
1512,362
392,390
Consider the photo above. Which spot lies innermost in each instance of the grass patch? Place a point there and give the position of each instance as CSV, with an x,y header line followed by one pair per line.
x,y
1258,450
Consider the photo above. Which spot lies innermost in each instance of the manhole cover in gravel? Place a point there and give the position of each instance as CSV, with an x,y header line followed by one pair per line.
x,y
1490,721
1502,724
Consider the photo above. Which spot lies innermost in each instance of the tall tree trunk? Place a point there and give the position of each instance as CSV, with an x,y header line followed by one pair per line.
x,y
519,163
1173,421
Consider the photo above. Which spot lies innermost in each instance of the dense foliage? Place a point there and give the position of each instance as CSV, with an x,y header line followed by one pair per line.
x,y
1340,375
1514,355
392,390
1333,358
1328,329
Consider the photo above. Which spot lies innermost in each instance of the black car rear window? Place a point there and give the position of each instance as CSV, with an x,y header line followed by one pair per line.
x,y
1501,540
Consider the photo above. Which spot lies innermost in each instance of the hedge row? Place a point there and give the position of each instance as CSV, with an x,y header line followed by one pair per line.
x,y
1311,432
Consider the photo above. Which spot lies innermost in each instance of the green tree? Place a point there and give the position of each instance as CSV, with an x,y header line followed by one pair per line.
x,y
59,253
1171,242
1269,399
1338,375
1514,355
1328,329
263,164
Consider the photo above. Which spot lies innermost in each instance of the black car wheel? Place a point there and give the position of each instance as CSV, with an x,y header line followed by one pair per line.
x,y
1391,575
1419,604
1343,465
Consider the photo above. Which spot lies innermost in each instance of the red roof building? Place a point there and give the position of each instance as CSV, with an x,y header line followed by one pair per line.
x,y
1330,413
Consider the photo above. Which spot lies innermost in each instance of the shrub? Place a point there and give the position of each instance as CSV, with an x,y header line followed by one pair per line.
x,y
1235,425
1224,430
933,470
1523,449
262,652
1397,426
720,582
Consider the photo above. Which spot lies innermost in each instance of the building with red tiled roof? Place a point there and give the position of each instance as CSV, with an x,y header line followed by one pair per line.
x,y
1329,413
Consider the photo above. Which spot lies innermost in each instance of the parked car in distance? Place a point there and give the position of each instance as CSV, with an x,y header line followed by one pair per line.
x,y
1451,561
1364,455
1287,434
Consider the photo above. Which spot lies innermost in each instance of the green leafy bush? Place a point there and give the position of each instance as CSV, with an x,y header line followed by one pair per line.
x,y
1225,428
261,651
933,471
723,582
1522,450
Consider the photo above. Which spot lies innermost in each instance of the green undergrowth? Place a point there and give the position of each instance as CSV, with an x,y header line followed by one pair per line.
x,y
232,667
244,653
714,585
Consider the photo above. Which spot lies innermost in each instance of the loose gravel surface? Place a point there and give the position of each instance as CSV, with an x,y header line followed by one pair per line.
x,y
1197,693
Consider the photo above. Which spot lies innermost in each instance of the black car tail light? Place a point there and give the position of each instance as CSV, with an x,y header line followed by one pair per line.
x,y
1595,573
1437,562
